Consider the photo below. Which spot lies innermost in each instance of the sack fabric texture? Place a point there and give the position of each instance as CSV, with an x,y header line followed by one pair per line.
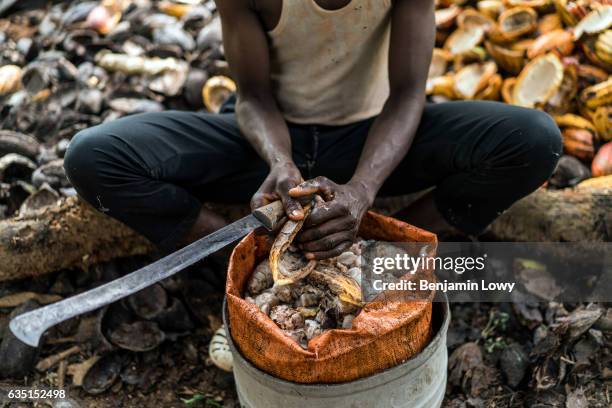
x,y
387,331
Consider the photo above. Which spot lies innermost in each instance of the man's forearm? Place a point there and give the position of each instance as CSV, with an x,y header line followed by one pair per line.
x,y
410,49
388,142
263,126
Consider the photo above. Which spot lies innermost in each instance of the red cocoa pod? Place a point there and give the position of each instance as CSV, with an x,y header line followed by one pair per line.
x,y
602,163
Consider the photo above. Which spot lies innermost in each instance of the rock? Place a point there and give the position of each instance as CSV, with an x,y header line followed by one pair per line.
x,y
266,301
312,328
78,12
347,322
545,341
135,105
583,351
196,78
537,280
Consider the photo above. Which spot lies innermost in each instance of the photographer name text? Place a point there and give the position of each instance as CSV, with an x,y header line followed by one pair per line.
x,y
444,286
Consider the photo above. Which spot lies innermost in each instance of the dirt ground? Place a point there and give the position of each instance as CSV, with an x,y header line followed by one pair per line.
x,y
501,355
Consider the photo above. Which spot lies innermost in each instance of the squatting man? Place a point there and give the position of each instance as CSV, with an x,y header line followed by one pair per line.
x,y
330,100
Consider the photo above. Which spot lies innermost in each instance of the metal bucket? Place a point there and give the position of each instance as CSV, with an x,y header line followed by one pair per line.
x,y
418,383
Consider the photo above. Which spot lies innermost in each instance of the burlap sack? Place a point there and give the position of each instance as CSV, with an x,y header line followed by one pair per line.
x,y
383,335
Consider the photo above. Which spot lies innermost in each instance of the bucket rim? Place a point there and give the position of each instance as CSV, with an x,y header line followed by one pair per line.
x,y
441,324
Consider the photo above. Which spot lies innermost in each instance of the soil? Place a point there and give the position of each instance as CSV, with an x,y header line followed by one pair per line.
x,y
493,360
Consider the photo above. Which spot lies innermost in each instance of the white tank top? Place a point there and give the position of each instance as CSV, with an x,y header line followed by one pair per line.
x,y
329,67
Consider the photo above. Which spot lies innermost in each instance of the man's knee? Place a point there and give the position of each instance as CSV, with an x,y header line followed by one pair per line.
x,y
542,139
538,140
79,160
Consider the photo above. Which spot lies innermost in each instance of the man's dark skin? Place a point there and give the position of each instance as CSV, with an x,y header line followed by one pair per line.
x,y
331,227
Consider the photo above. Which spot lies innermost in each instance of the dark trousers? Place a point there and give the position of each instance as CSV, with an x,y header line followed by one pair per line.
x,y
152,171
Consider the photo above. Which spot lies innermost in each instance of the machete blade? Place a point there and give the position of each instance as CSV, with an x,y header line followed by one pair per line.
x,y
30,326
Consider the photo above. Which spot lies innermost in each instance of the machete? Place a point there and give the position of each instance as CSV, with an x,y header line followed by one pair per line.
x,y
30,326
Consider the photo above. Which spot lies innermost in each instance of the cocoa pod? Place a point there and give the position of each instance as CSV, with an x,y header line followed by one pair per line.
x,y
602,163
578,143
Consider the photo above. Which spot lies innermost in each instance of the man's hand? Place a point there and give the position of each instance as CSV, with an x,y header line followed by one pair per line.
x,y
331,227
280,180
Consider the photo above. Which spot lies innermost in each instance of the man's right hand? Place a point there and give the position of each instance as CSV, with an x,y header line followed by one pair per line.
x,y
281,179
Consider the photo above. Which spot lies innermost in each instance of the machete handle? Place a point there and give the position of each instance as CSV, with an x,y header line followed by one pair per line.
x,y
273,214
270,215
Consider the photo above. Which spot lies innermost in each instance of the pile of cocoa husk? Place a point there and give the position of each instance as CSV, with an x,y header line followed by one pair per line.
x,y
552,55
66,66
306,297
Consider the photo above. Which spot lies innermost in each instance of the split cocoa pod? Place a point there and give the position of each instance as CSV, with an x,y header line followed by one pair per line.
x,y
286,266
552,55
10,79
215,92
289,267
538,81
514,23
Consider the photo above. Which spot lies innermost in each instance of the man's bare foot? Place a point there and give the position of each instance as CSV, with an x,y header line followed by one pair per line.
x,y
206,223
423,213
215,265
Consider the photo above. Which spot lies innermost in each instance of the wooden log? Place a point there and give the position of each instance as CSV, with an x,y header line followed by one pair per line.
x,y
69,235
569,215
75,235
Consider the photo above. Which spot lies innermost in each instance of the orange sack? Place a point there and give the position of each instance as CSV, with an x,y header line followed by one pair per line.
x,y
384,334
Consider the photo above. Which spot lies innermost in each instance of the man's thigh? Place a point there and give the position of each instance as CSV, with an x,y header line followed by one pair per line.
x,y
203,153
452,138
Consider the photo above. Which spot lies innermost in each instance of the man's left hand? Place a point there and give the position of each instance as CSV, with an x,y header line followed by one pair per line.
x,y
331,227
